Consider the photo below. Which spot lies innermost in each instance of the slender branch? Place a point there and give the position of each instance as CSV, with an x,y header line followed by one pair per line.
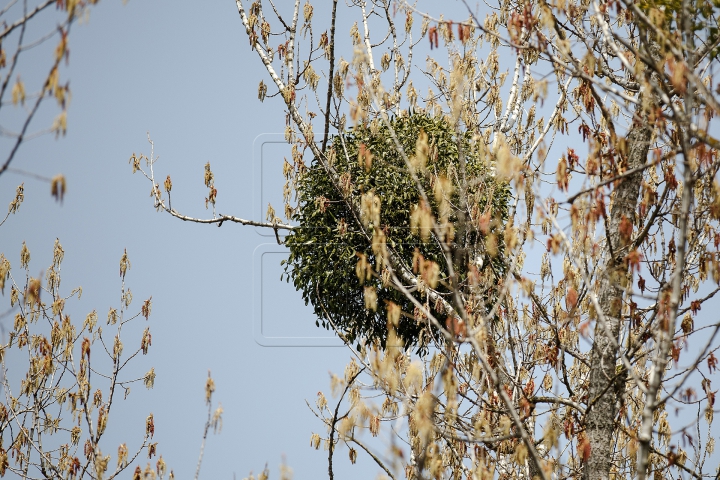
x,y
331,47
26,18
230,218
208,423
614,179
331,450
373,456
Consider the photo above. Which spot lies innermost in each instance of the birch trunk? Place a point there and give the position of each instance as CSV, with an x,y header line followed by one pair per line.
x,y
606,386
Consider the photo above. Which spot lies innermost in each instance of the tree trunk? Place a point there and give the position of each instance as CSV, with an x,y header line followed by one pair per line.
x,y
605,384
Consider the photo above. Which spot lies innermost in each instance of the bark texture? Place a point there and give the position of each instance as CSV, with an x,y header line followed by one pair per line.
x,y
606,384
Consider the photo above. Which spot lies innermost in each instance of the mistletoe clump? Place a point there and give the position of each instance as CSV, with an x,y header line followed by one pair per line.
x,y
369,195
